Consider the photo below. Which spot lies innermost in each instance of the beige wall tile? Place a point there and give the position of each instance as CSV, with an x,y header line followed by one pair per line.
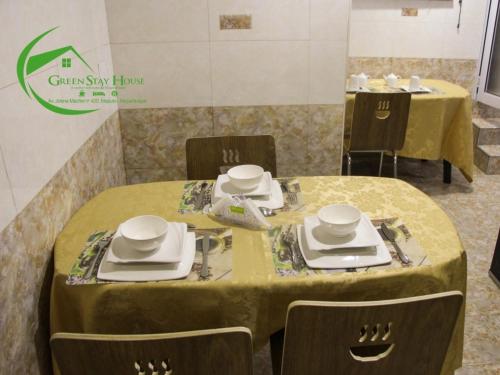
x,y
327,72
259,73
271,20
329,20
175,74
157,20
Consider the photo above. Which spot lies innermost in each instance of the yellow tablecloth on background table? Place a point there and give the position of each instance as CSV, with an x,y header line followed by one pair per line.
x,y
255,297
439,126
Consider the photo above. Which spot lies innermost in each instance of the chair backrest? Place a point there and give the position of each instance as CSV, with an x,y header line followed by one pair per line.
x,y
379,121
404,336
211,156
216,351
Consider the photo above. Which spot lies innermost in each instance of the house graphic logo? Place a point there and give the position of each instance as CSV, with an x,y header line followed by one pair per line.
x,y
75,83
27,65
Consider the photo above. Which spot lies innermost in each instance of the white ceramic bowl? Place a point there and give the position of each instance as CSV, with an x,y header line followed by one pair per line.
x,y
246,176
339,219
144,233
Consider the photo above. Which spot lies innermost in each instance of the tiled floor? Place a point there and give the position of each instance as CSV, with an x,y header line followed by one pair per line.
x,y
475,210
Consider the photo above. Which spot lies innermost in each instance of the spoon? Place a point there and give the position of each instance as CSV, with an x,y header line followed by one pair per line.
x,y
267,211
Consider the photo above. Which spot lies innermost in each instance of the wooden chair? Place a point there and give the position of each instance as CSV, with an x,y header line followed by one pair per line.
x,y
214,351
403,336
211,156
379,124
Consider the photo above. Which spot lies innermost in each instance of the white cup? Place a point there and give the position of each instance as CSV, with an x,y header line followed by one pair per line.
x,y
414,83
354,82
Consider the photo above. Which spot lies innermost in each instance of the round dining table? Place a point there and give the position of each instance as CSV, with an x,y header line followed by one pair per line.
x,y
254,295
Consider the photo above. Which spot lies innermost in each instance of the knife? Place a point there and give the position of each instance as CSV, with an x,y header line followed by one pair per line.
x,y
389,234
204,266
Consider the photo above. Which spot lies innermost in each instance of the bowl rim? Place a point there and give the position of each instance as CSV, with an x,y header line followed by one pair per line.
x,y
323,220
231,176
165,229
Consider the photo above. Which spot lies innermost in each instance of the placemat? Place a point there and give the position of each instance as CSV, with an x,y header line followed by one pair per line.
x,y
288,260
196,196
84,270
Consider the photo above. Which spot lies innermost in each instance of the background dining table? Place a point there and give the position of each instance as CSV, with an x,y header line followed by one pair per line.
x,y
439,124
254,295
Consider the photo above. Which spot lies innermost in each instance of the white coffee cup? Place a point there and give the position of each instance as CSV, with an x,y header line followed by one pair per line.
x,y
354,82
414,83
392,80
363,79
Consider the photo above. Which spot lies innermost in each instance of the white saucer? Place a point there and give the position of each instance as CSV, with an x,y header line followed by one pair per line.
x,y
353,91
150,272
343,258
420,90
224,187
169,251
318,239
274,201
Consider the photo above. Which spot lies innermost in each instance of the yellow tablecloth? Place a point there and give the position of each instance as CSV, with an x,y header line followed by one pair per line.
x,y
255,297
439,126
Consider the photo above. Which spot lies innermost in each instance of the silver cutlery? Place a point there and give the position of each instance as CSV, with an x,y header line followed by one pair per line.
x,y
204,266
391,236
101,246
291,242
200,198
267,211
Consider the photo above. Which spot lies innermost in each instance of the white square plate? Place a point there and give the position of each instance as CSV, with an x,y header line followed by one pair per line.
x,y
343,258
274,201
318,239
169,251
224,187
152,271
420,90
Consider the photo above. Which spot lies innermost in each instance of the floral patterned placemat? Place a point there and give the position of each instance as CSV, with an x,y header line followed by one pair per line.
x,y
197,195
288,260
84,270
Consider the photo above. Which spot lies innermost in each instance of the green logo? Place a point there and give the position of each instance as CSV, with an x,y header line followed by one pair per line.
x,y
27,65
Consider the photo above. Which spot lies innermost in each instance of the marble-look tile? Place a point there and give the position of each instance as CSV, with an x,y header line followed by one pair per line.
x,y
235,21
141,176
26,246
156,138
459,71
288,125
463,72
424,68
485,111
324,145
375,67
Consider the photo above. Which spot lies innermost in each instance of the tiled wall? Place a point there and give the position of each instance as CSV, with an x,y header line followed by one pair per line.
x,y
463,72
378,29
26,248
284,76
308,137
382,40
50,165
34,142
